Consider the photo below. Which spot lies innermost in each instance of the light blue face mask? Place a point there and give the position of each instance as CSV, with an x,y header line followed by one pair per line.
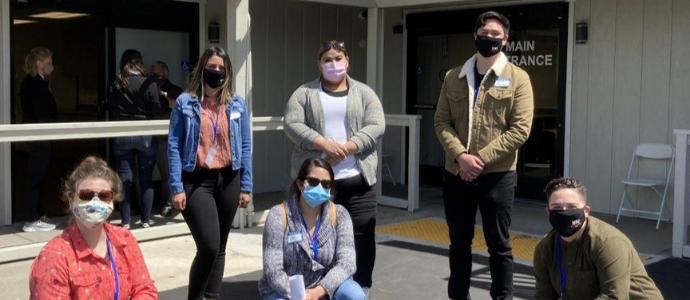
x,y
316,195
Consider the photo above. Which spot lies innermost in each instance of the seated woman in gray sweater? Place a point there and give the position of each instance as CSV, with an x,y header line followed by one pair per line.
x,y
310,236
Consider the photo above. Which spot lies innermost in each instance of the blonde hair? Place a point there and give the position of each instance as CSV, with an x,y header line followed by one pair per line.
x,y
36,54
91,167
195,84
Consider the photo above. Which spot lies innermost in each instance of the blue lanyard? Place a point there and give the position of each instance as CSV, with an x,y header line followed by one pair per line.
x,y
214,123
562,271
314,243
114,267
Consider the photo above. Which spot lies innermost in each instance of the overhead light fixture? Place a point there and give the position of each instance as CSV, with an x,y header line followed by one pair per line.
x,y
20,21
58,15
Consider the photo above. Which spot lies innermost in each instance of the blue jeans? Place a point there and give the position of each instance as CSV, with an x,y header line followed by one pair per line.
x,y
144,148
348,290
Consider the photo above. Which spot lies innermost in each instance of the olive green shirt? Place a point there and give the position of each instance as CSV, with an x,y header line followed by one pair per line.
x,y
601,264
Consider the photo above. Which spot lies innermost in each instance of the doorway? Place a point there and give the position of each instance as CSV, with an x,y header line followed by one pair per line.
x,y
440,41
83,36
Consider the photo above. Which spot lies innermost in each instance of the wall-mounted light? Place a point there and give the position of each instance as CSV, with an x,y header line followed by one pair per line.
x,y
214,33
581,33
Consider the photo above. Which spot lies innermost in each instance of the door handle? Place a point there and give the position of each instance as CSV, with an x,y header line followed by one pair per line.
x,y
425,106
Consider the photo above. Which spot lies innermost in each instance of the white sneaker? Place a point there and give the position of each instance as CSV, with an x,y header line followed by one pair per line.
x,y
145,225
37,226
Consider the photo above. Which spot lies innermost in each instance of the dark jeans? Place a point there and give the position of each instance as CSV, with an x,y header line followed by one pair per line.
x,y
39,159
164,170
212,198
494,194
360,201
126,150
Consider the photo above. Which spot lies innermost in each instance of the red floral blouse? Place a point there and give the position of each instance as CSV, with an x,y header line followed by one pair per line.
x,y
67,268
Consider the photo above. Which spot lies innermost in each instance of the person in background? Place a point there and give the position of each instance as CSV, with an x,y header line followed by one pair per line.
x,y
168,93
341,120
583,257
311,236
209,152
38,106
91,259
484,115
133,96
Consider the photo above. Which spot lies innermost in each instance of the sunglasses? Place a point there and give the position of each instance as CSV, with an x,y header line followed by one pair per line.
x,y
337,45
313,182
88,195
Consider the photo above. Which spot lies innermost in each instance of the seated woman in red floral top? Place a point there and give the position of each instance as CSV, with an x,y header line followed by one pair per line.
x,y
79,263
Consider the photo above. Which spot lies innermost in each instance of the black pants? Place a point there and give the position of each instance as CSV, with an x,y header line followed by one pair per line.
x,y
494,194
39,159
212,197
360,201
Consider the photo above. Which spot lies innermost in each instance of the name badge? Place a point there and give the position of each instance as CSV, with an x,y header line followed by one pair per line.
x,y
234,116
294,237
502,82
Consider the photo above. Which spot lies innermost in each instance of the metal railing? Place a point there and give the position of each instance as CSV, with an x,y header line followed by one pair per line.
x,y
88,130
412,202
410,121
681,205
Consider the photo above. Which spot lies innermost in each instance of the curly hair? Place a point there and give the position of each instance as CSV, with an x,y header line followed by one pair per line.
x,y
566,183
91,167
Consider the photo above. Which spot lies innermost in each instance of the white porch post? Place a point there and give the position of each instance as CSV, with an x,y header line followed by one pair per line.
x,y
5,114
375,70
680,247
240,51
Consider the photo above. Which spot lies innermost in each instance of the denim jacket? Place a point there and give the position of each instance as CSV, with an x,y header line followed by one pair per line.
x,y
183,139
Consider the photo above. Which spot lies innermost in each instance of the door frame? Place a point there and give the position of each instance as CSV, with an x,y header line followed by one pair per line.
x,y
566,26
113,13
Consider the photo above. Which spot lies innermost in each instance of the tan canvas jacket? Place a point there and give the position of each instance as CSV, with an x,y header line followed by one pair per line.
x,y
500,120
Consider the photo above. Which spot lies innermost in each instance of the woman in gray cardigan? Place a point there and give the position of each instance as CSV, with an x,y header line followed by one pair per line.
x,y
310,236
341,119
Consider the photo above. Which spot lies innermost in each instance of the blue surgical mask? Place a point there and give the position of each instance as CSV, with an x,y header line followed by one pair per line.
x,y
316,195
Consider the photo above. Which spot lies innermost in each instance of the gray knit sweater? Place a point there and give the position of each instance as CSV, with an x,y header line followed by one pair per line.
x,y
304,122
336,260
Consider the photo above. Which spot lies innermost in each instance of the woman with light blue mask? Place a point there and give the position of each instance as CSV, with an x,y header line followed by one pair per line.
x,y
311,236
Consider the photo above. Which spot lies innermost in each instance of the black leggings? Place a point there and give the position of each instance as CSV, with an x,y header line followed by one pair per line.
x,y
212,197
360,201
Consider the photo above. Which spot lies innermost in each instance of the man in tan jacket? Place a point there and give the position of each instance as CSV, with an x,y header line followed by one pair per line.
x,y
484,115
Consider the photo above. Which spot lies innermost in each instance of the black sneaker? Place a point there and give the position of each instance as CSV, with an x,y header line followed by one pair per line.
x,y
166,211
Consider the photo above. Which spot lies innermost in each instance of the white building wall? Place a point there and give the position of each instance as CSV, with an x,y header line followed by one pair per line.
x,y
286,37
393,90
629,86
5,111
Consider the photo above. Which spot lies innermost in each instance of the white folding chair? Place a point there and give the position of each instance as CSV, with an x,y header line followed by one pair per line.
x,y
653,152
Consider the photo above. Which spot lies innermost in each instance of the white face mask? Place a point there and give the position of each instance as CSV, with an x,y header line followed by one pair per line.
x,y
92,213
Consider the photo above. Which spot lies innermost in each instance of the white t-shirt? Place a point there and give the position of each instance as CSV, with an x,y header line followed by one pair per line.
x,y
335,117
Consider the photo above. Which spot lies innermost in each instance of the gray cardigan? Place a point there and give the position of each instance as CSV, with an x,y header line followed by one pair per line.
x,y
336,262
304,122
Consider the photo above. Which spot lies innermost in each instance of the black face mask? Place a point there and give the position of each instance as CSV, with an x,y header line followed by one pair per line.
x,y
214,79
567,222
488,46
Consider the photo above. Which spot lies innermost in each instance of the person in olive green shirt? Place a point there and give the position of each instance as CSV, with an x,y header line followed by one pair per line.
x,y
583,257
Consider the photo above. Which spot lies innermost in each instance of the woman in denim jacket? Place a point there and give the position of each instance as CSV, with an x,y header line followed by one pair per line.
x,y
209,151
311,236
